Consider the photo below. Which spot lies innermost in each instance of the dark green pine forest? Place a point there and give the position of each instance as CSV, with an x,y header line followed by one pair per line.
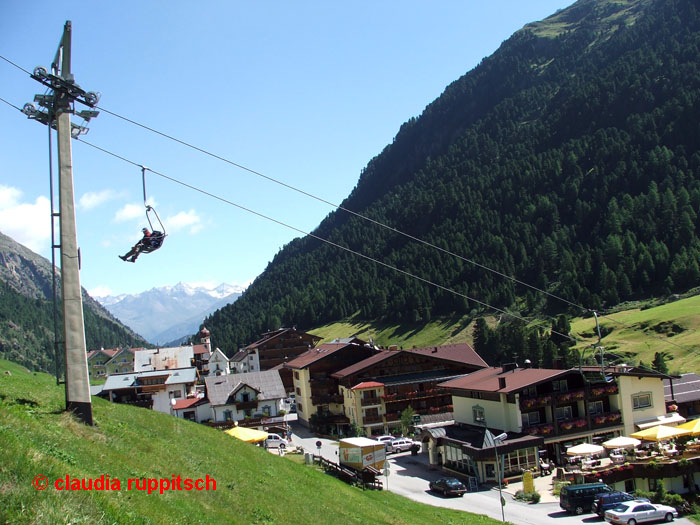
x,y
569,159
27,314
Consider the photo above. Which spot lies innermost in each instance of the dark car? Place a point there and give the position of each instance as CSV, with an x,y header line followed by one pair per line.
x,y
448,487
609,501
578,499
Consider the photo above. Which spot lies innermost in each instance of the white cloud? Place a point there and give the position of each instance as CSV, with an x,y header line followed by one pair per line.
x,y
129,212
100,291
183,220
27,223
92,199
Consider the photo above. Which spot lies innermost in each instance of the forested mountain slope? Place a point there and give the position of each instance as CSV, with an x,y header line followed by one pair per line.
x,y
569,159
26,311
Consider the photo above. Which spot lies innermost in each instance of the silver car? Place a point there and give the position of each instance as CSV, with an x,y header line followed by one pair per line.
x,y
633,512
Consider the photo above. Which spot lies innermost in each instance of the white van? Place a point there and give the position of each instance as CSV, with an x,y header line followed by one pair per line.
x,y
276,441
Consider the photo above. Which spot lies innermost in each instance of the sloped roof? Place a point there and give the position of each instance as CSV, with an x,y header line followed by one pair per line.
x,y
472,439
685,389
163,358
131,379
189,402
458,353
266,337
239,356
486,379
381,355
315,354
367,384
267,383
109,352
200,349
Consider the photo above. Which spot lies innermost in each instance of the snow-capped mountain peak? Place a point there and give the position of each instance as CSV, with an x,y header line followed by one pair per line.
x,y
164,314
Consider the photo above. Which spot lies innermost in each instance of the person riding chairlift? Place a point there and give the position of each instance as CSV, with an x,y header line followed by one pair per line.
x,y
148,243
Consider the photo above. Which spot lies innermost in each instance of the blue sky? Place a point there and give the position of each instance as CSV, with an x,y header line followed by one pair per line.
x,y
304,92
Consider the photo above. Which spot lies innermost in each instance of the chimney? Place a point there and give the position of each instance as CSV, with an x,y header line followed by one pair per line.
x,y
509,367
435,350
501,383
557,364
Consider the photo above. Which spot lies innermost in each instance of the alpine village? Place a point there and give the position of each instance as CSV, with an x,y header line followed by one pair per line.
x,y
552,192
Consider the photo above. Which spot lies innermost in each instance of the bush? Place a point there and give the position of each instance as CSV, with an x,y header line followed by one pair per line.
x,y
532,497
558,485
677,501
644,494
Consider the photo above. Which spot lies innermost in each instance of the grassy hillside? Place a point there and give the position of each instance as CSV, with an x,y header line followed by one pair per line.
x,y
639,332
252,486
407,335
671,327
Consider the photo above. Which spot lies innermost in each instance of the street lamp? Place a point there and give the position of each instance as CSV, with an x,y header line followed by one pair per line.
x,y
491,440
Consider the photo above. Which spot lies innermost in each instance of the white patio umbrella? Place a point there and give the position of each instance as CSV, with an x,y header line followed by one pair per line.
x,y
584,449
621,442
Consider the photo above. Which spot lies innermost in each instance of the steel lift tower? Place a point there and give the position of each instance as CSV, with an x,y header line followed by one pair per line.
x,y
59,104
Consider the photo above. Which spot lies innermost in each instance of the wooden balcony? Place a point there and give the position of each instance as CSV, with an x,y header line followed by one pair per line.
x,y
369,401
369,420
327,399
571,396
246,405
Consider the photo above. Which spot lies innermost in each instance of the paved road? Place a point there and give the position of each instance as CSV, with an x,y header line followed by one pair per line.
x,y
409,476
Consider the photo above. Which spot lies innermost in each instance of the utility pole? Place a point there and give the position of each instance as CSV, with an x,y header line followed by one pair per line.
x,y
60,105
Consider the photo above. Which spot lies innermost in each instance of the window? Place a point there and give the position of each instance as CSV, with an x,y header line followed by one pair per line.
x,y
490,470
563,413
177,394
245,397
298,391
595,408
530,391
227,415
530,419
642,400
296,375
560,386
478,413
266,410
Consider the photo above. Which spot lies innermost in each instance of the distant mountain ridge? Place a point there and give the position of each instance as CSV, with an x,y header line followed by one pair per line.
x,y
169,314
26,311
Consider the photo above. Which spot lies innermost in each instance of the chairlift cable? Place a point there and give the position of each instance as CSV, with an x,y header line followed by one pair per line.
x,y
342,208
319,238
337,206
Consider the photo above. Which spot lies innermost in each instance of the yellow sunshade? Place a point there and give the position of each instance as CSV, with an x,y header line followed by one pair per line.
x,y
693,426
660,433
249,435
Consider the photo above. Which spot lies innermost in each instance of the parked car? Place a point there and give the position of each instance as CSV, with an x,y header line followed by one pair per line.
x,y
637,511
448,487
401,444
276,441
293,408
387,441
578,499
608,501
